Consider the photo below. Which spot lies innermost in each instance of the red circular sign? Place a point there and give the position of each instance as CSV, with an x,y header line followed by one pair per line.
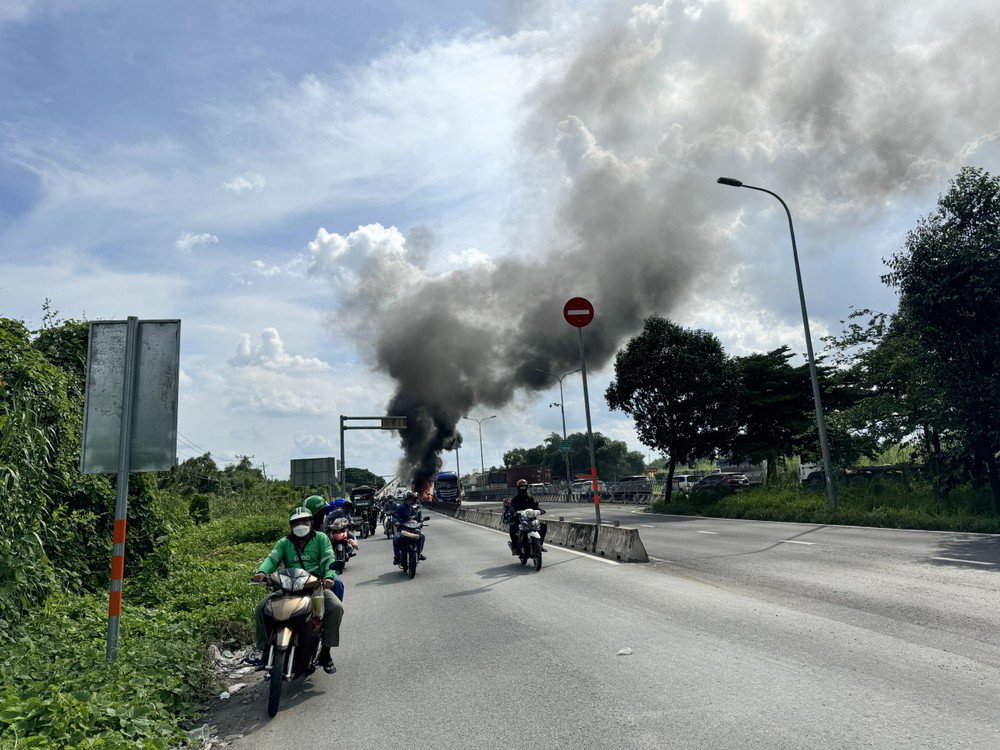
x,y
578,312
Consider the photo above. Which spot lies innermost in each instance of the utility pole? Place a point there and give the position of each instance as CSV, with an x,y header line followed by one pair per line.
x,y
562,408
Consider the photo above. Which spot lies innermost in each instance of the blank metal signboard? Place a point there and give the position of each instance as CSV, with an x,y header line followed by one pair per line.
x,y
313,472
154,423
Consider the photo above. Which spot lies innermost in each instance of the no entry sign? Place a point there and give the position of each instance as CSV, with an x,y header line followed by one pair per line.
x,y
578,312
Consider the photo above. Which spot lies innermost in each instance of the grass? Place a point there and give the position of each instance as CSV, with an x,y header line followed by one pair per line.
x,y
57,691
883,503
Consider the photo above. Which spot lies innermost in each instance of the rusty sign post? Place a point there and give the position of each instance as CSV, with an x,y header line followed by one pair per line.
x,y
129,420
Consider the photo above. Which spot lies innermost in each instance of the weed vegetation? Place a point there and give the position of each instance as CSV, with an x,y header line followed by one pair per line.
x,y
884,503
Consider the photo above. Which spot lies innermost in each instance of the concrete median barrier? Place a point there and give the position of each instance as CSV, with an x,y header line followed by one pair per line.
x,y
619,543
614,542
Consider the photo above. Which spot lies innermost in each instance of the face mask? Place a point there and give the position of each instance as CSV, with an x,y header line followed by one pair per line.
x,y
300,530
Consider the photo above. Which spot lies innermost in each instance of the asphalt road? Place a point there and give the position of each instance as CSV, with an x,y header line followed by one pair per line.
x,y
477,652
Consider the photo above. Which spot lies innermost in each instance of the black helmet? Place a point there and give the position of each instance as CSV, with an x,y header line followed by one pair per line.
x,y
410,496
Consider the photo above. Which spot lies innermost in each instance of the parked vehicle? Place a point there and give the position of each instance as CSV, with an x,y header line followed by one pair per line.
x,y
529,537
409,546
538,488
722,482
685,482
293,620
343,545
582,489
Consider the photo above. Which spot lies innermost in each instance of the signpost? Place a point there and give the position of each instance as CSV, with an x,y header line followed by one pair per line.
x,y
579,313
129,420
313,472
384,423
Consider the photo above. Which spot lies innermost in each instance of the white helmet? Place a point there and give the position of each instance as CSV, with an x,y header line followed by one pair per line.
x,y
300,513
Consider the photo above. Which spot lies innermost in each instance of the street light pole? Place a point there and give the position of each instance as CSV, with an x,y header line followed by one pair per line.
x,y
562,408
831,492
482,462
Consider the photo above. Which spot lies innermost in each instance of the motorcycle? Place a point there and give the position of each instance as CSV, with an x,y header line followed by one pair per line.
x,y
409,546
359,524
293,619
343,545
388,524
529,537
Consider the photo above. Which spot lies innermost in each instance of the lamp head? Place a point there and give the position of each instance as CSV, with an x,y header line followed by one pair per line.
x,y
729,181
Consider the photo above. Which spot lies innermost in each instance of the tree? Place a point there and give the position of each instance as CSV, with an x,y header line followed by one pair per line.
x,y
357,477
948,278
680,388
775,407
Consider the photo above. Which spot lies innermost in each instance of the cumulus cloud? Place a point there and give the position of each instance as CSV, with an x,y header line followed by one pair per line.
x,y
188,241
247,182
270,354
314,444
471,259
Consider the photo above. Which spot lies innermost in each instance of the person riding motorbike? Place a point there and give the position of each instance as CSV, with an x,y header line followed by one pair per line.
x,y
318,506
341,508
521,501
408,510
303,547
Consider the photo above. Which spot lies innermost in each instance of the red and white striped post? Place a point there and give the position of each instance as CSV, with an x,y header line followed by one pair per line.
x,y
121,494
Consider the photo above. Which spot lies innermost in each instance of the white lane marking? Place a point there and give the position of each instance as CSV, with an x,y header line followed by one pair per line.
x,y
659,559
792,541
548,544
648,525
708,532
971,562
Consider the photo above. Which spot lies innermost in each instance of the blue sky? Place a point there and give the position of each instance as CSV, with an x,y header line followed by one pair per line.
x,y
206,161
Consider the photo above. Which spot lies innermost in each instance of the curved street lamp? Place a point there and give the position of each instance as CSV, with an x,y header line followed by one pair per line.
x,y
482,463
569,483
831,492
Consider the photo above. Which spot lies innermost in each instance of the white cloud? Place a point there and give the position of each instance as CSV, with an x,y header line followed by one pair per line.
x,y
270,353
471,259
314,444
188,241
247,182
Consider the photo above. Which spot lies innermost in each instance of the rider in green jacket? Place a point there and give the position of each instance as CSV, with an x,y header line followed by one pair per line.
x,y
305,548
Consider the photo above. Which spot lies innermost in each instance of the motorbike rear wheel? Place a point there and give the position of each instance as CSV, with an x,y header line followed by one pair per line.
x,y
411,557
278,669
536,552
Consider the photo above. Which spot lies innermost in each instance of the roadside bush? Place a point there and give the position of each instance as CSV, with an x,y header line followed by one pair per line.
x,y
885,503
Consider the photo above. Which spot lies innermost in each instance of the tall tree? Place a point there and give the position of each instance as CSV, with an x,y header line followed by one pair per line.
x,y
680,388
948,278
775,407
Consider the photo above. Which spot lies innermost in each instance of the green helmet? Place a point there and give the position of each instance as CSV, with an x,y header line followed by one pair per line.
x,y
298,513
314,503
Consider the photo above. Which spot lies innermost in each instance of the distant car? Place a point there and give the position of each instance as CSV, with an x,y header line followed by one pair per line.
x,y
538,488
584,488
685,482
725,483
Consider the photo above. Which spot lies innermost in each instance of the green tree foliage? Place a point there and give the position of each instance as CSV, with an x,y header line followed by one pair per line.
x,y
355,477
775,407
680,388
614,459
948,278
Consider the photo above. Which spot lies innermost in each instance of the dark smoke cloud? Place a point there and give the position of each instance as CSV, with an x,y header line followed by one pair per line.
x,y
847,104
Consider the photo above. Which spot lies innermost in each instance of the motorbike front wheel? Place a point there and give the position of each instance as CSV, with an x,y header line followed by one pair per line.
x,y
411,558
536,552
278,669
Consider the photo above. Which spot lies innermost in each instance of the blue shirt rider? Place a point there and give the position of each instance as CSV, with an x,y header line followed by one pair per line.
x,y
408,510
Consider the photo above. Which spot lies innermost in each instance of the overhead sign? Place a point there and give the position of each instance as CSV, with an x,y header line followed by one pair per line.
x,y
156,369
313,472
579,312
393,423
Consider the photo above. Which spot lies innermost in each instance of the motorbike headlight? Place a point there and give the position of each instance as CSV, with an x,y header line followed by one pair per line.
x,y
292,579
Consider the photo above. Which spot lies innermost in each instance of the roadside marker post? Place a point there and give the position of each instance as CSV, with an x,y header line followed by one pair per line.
x,y
129,421
579,313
